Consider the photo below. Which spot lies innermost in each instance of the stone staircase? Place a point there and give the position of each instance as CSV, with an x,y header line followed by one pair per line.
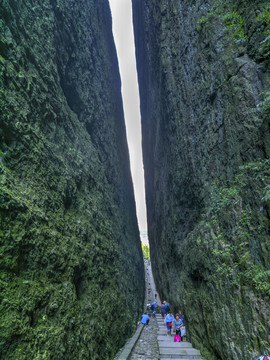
x,y
168,349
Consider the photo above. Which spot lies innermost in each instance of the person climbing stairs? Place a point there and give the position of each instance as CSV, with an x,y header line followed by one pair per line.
x,y
168,349
151,341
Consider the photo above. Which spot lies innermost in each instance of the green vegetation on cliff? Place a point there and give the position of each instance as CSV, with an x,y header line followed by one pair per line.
x,y
146,252
230,253
203,69
71,268
247,24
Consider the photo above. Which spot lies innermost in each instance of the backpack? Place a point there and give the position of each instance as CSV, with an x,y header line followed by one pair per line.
x,y
183,331
176,338
152,307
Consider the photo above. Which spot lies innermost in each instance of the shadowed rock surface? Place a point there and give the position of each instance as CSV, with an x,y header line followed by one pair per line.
x,y
71,265
203,69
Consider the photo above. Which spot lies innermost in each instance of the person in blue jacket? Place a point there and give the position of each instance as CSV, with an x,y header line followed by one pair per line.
x,y
181,317
145,319
177,323
154,307
162,309
167,307
168,322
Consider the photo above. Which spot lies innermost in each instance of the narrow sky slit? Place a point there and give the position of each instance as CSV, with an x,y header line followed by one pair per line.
x,y
124,42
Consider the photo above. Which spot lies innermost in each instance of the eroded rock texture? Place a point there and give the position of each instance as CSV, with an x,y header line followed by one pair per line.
x,y
72,277
204,84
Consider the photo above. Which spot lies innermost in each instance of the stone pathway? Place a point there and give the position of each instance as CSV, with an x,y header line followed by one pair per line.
x,y
152,294
152,341
168,349
147,345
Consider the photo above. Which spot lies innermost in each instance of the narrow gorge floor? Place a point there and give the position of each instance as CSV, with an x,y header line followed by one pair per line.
x,y
168,349
147,345
153,342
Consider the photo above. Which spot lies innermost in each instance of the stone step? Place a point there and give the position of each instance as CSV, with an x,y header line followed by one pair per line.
x,y
169,349
181,357
167,344
185,357
179,351
164,332
164,337
162,326
176,345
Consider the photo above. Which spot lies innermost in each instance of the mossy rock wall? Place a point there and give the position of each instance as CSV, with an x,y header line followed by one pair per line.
x,y
72,275
203,69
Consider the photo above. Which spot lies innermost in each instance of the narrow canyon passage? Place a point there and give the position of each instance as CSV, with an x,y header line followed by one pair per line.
x,y
152,341
72,277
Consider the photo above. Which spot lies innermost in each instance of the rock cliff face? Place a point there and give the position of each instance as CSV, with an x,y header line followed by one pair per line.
x,y
72,276
203,70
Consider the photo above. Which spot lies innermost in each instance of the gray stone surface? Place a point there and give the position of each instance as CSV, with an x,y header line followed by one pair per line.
x,y
71,257
147,346
203,77
125,353
170,349
169,343
143,344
